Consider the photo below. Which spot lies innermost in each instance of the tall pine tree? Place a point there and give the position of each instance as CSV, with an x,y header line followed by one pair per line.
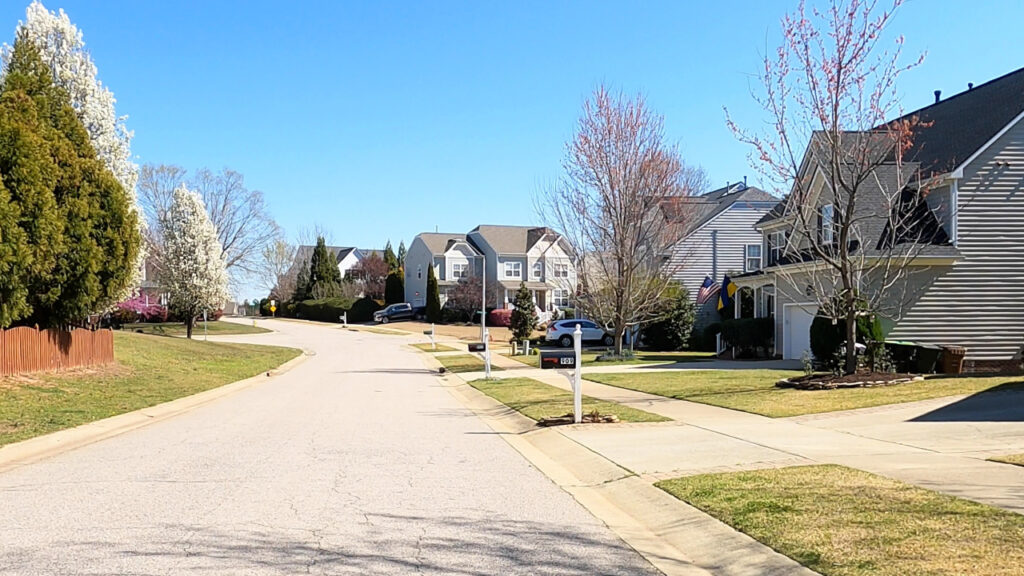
x,y
401,254
323,269
433,297
390,258
81,232
524,316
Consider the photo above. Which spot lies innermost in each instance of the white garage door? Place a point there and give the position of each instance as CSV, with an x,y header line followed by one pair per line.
x,y
797,336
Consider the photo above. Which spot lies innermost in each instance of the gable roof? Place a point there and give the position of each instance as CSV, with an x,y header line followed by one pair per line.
x,y
952,130
303,253
511,239
699,210
439,242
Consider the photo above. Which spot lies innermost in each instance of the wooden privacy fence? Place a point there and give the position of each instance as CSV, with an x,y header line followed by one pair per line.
x,y
24,349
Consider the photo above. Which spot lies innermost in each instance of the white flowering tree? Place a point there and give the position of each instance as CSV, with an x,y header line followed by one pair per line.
x,y
61,45
194,273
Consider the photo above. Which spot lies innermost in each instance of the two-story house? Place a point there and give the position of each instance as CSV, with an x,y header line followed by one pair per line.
x,y
506,255
452,258
965,281
718,238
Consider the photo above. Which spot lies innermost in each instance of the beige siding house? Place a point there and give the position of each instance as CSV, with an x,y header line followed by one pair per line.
x,y
967,286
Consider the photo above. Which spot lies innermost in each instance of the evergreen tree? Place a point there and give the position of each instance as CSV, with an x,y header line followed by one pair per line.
x,y
433,297
524,317
14,260
323,269
401,255
302,283
82,232
390,258
394,287
672,330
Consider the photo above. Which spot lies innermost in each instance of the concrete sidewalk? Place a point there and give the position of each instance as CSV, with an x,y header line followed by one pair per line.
x,y
712,439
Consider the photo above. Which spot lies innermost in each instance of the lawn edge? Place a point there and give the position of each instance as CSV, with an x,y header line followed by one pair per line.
x,y
655,524
38,448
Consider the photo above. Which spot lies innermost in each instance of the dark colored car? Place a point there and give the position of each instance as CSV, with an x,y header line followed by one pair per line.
x,y
403,311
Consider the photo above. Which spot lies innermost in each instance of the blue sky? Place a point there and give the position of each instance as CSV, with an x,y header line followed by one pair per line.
x,y
379,120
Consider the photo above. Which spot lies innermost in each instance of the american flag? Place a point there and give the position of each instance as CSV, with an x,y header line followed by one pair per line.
x,y
707,290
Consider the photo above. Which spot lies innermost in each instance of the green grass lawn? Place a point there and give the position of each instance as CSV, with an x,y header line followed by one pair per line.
x,y
590,358
754,390
150,370
465,363
428,348
844,522
1015,459
537,400
178,329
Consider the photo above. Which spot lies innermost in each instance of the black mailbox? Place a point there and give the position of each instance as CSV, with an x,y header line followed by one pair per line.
x,y
477,347
558,360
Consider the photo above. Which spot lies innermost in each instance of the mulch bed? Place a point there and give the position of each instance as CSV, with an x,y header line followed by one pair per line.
x,y
858,380
587,419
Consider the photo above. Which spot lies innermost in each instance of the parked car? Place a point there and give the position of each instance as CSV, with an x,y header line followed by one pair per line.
x,y
403,311
562,330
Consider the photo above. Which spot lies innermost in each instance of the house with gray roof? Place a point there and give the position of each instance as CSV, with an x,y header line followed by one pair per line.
x,y
345,256
505,255
966,280
718,238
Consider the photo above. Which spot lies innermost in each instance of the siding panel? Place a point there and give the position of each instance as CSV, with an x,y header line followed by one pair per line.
x,y
979,303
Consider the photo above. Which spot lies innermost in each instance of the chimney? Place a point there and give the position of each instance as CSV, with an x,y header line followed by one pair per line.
x,y
970,85
744,181
938,96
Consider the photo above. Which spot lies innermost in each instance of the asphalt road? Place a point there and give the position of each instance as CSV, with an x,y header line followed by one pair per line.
x,y
355,462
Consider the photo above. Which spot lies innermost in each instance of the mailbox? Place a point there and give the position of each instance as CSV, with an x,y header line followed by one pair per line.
x,y
560,360
477,347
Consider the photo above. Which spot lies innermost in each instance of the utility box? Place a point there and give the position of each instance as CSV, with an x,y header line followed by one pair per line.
x,y
557,359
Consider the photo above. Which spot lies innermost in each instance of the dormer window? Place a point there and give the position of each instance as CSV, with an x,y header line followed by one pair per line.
x,y
459,270
776,246
827,224
538,270
561,270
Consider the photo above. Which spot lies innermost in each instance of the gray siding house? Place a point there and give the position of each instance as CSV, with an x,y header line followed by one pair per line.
x,y
536,256
967,284
719,238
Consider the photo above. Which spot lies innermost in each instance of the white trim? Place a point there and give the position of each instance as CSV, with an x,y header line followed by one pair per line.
x,y
954,215
959,171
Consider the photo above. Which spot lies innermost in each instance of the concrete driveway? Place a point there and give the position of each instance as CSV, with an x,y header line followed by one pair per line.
x,y
357,461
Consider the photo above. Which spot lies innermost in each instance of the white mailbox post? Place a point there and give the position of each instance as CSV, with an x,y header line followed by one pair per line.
x,y
577,379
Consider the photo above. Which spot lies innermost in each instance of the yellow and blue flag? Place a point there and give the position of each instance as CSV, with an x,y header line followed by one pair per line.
x,y
727,292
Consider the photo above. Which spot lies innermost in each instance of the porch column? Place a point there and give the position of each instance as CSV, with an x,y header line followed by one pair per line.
x,y
737,303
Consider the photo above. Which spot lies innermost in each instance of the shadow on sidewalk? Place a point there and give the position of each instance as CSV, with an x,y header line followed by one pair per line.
x,y
1003,403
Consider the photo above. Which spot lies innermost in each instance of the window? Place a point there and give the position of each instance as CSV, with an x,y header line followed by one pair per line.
x,y
538,270
560,297
827,223
776,246
561,270
753,258
459,270
419,272
513,269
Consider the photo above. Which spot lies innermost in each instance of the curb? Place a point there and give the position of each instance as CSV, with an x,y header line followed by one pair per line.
x,y
676,538
41,447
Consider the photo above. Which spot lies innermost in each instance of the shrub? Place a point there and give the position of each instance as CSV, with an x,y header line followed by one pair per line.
x,y
673,331
362,310
523,319
705,341
499,317
749,335
826,338
326,310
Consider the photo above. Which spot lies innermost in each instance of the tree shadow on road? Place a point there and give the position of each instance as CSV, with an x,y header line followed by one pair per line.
x,y
375,544
1003,403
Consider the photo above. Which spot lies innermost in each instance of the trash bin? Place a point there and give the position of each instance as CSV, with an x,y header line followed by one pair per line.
x,y
927,358
953,359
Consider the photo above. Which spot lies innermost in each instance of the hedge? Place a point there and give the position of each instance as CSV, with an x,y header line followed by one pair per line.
x,y
749,335
326,310
362,310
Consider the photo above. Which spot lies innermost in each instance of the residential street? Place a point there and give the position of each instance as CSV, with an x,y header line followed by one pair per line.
x,y
357,461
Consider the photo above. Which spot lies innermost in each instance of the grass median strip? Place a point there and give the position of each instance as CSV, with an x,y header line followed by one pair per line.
x,y
150,370
465,363
1015,459
178,329
428,348
844,522
754,390
537,400
590,358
